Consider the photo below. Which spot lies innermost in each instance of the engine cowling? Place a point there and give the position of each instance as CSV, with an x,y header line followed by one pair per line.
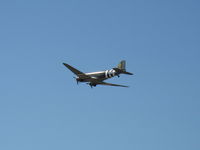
x,y
80,80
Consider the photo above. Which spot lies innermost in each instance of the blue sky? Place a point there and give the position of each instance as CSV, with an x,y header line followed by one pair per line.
x,y
41,107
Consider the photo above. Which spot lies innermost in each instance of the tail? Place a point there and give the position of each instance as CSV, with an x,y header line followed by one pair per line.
x,y
122,67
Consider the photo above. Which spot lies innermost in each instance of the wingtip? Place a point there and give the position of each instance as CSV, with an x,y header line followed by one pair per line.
x,y
126,86
65,64
130,73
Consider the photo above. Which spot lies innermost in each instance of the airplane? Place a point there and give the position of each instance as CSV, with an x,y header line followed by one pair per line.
x,y
97,78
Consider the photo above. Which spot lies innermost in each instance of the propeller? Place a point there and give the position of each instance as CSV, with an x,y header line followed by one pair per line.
x,y
76,80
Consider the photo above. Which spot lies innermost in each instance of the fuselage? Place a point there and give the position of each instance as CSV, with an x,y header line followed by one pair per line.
x,y
100,75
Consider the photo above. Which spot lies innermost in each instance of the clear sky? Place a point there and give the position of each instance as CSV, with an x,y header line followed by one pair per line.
x,y
42,108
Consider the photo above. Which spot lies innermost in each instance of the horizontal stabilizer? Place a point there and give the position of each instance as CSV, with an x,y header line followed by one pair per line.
x,y
122,71
121,68
129,73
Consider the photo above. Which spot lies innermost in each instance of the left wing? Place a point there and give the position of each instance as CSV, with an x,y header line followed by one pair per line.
x,y
110,84
74,70
77,72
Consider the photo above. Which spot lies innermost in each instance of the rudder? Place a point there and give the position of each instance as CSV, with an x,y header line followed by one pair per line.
x,y
122,65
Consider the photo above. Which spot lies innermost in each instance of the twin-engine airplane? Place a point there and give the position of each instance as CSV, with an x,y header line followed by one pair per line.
x,y
95,78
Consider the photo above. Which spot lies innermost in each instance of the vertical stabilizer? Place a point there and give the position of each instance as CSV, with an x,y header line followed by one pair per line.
x,y
122,65
121,68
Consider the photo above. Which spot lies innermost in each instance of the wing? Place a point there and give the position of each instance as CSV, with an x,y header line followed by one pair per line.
x,y
110,84
76,72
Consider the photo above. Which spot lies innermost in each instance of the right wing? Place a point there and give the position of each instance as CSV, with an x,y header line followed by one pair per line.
x,y
110,84
76,72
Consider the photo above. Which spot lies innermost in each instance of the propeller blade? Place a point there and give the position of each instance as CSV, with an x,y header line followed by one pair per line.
x,y
76,80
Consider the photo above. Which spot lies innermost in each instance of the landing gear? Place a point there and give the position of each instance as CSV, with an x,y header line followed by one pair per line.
x,y
92,84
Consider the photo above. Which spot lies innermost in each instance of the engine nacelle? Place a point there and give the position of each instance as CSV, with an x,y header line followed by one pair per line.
x,y
79,80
